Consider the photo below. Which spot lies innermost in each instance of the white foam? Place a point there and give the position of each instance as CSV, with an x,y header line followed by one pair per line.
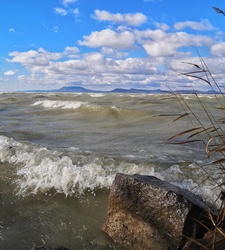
x,y
115,108
59,104
208,192
38,169
97,95
50,104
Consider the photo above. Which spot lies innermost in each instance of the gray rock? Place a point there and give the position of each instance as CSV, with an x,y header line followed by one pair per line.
x,y
147,213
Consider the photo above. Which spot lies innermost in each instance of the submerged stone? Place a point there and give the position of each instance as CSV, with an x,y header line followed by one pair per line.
x,y
147,213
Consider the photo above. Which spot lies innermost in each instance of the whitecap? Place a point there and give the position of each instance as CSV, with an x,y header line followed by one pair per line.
x,y
49,104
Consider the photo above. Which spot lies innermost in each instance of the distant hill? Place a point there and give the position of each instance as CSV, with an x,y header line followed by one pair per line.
x,y
117,90
75,89
78,89
120,90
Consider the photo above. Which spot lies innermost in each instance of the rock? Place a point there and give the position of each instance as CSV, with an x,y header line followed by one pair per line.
x,y
147,213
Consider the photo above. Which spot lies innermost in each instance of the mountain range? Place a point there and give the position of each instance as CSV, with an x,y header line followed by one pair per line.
x,y
79,89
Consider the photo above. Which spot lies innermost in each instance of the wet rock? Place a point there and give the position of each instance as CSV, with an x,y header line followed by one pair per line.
x,y
147,213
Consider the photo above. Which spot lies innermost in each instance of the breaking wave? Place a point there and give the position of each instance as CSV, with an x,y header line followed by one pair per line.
x,y
49,104
38,169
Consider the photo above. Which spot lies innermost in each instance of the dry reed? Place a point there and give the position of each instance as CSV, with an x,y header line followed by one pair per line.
x,y
212,135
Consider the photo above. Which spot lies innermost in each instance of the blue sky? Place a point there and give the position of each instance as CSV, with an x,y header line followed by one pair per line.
x,y
105,44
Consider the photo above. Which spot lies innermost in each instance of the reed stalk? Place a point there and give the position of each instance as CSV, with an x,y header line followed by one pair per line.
x,y
212,135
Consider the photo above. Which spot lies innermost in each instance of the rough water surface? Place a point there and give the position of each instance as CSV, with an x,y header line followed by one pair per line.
x,y
59,153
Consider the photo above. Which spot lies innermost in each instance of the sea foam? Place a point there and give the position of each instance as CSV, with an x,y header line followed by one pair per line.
x,y
59,104
39,169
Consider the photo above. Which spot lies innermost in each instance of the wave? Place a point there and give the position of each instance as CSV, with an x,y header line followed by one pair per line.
x,y
49,104
39,169
95,111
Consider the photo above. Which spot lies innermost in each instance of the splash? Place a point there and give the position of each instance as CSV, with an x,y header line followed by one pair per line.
x,y
38,169
41,170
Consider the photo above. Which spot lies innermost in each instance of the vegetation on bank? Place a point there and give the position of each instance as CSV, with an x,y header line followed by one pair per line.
x,y
212,135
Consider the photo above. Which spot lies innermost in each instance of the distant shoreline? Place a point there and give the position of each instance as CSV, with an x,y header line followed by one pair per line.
x,y
77,89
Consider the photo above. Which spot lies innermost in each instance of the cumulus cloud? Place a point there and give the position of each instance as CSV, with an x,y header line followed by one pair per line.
x,y
202,25
113,53
162,26
129,19
10,73
94,69
218,49
109,38
109,60
33,59
70,52
160,43
91,64
95,58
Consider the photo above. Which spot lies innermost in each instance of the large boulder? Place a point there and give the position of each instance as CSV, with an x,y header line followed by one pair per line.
x,y
147,213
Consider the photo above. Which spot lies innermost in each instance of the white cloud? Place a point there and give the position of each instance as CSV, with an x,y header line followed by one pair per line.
x,y
76,12
32,58
10,73
95,58
90,67
113,53
218,49
60,11
109,38
67,11
160,43
96,70
21,77
12,30
71,52
55,29
202,25
109,59
152,35
162,26
129,19
67,2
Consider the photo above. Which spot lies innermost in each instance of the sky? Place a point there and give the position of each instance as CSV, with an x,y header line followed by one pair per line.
x,y
107,44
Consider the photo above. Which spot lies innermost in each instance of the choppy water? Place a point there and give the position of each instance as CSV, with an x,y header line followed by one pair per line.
x,y
59,153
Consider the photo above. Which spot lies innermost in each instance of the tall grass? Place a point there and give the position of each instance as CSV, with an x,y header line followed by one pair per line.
x,y
211,132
